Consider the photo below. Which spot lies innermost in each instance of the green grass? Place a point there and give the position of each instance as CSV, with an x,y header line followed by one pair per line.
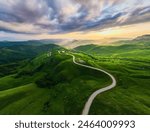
x,y
134,51
131,95
14,53
28,99
55,85
66,86
130,66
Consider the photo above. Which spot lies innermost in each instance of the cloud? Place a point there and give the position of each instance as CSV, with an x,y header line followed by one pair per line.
x,y
57,16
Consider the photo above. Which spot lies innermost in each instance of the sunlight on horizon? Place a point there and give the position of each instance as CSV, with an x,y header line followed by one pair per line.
x,y
130,31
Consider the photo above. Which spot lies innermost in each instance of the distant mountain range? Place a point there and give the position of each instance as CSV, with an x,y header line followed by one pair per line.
x,y
72,43
144,37
75,43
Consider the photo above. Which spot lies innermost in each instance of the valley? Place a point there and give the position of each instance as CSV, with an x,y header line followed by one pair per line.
x,y
52,80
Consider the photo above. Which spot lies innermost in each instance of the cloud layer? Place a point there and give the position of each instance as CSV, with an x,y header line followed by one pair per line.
x,y
64,16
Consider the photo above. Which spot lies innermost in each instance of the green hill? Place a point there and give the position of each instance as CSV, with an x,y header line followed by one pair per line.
x,y
130,65
20,43
21,52
49,85
13,57
134,51
45,81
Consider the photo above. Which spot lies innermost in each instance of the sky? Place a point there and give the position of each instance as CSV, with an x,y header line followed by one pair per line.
x,y
73,19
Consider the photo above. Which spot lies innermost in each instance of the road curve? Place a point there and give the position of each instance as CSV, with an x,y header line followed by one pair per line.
x,y
92,97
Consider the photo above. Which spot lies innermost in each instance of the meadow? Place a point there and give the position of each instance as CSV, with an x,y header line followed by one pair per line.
x,y
51,84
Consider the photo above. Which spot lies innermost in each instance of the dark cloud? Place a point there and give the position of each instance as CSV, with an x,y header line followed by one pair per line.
x,y
9,17
57,16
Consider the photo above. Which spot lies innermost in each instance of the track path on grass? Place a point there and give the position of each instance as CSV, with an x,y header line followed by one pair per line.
x,y
101,90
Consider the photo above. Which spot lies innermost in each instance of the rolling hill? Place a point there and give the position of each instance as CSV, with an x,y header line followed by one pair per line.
x,y
13,53
139,49
14,56
50,85
46,81
130,64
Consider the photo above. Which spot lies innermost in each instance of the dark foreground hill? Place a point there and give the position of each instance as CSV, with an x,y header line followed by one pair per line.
x,y
14,56
20,52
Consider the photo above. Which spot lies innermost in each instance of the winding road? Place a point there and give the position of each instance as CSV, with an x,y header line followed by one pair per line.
x,y
93,96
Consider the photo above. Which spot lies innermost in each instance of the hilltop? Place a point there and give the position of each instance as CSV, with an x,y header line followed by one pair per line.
x,y
49,84
136,49
17,52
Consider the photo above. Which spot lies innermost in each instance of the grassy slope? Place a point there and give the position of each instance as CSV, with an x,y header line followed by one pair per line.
x,y
131,96
138,50
130,65
15,53
23,99
67,87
